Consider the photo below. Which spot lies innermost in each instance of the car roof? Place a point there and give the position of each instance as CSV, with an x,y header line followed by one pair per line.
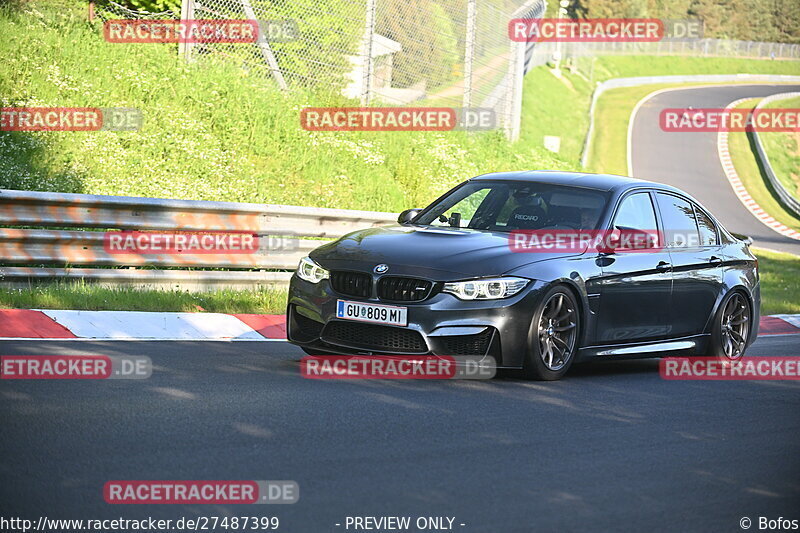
x,y
602,182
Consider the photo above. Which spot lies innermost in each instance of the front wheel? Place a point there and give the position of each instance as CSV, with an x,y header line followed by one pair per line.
x,y
731,328
554,330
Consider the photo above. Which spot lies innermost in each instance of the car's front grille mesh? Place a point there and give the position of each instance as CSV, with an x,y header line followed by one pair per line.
x,y
305,328
358,284
466,344
403,289
374,337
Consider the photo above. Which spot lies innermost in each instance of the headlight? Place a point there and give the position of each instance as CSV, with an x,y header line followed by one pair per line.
x,y
486,289
310,271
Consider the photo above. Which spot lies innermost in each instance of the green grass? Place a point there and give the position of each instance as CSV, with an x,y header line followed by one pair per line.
x,y
553,106
747,167
780,290
608,67
783,150
211,131
84,296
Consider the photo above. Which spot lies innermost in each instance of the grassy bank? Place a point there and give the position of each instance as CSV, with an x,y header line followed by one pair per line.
x,y
211,131
783,150
780,291
91,297
754,180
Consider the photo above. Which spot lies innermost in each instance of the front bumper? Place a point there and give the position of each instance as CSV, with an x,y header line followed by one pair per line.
x,y
439,325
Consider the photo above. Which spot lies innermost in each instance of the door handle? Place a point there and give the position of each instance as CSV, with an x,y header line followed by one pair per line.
x,y
663,266
715,260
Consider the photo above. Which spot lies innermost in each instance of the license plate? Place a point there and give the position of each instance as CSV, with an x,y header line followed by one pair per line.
x,y
379,314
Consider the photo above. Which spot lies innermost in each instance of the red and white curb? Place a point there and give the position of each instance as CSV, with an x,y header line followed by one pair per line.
x,y
136,325
738,187
27,324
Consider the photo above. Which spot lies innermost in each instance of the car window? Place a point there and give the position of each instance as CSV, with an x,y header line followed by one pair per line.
x,y
517,205
680,227
708,231
466,208
636,212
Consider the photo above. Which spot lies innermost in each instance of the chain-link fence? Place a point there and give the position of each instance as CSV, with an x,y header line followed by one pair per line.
x,y
580,56
453,53
108,9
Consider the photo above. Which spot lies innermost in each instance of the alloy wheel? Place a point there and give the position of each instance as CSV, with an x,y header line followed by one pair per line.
x,y
557,331
735,326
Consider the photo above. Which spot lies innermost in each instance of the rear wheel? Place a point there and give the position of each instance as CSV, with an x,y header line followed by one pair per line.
x,y
731,328
555,329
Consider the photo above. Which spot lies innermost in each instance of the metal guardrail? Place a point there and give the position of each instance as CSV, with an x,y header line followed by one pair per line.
x,y
30,255
786,197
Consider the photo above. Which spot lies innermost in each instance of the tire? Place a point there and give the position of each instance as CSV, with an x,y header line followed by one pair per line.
x,y
554,334
730,331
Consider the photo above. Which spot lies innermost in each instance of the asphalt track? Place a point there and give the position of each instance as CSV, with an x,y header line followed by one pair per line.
x,y
690,162
612,447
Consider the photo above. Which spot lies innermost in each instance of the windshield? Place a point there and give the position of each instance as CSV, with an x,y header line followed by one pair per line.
x,y
505,206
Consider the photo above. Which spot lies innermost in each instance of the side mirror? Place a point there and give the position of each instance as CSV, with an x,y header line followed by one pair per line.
x,y
407,216
610,242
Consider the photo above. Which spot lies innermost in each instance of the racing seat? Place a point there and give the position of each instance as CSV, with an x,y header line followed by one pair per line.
x,y
527,217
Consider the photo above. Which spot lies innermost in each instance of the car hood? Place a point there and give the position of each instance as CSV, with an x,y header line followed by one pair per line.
x,y
442,254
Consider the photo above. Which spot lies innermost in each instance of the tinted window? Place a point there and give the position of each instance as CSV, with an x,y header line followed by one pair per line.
x,y
517,205
466,207
636,212
680,228
708,231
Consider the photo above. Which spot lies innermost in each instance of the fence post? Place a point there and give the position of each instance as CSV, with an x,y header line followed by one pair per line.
x,y
366,57
469,52
187,13
515,104
264,48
